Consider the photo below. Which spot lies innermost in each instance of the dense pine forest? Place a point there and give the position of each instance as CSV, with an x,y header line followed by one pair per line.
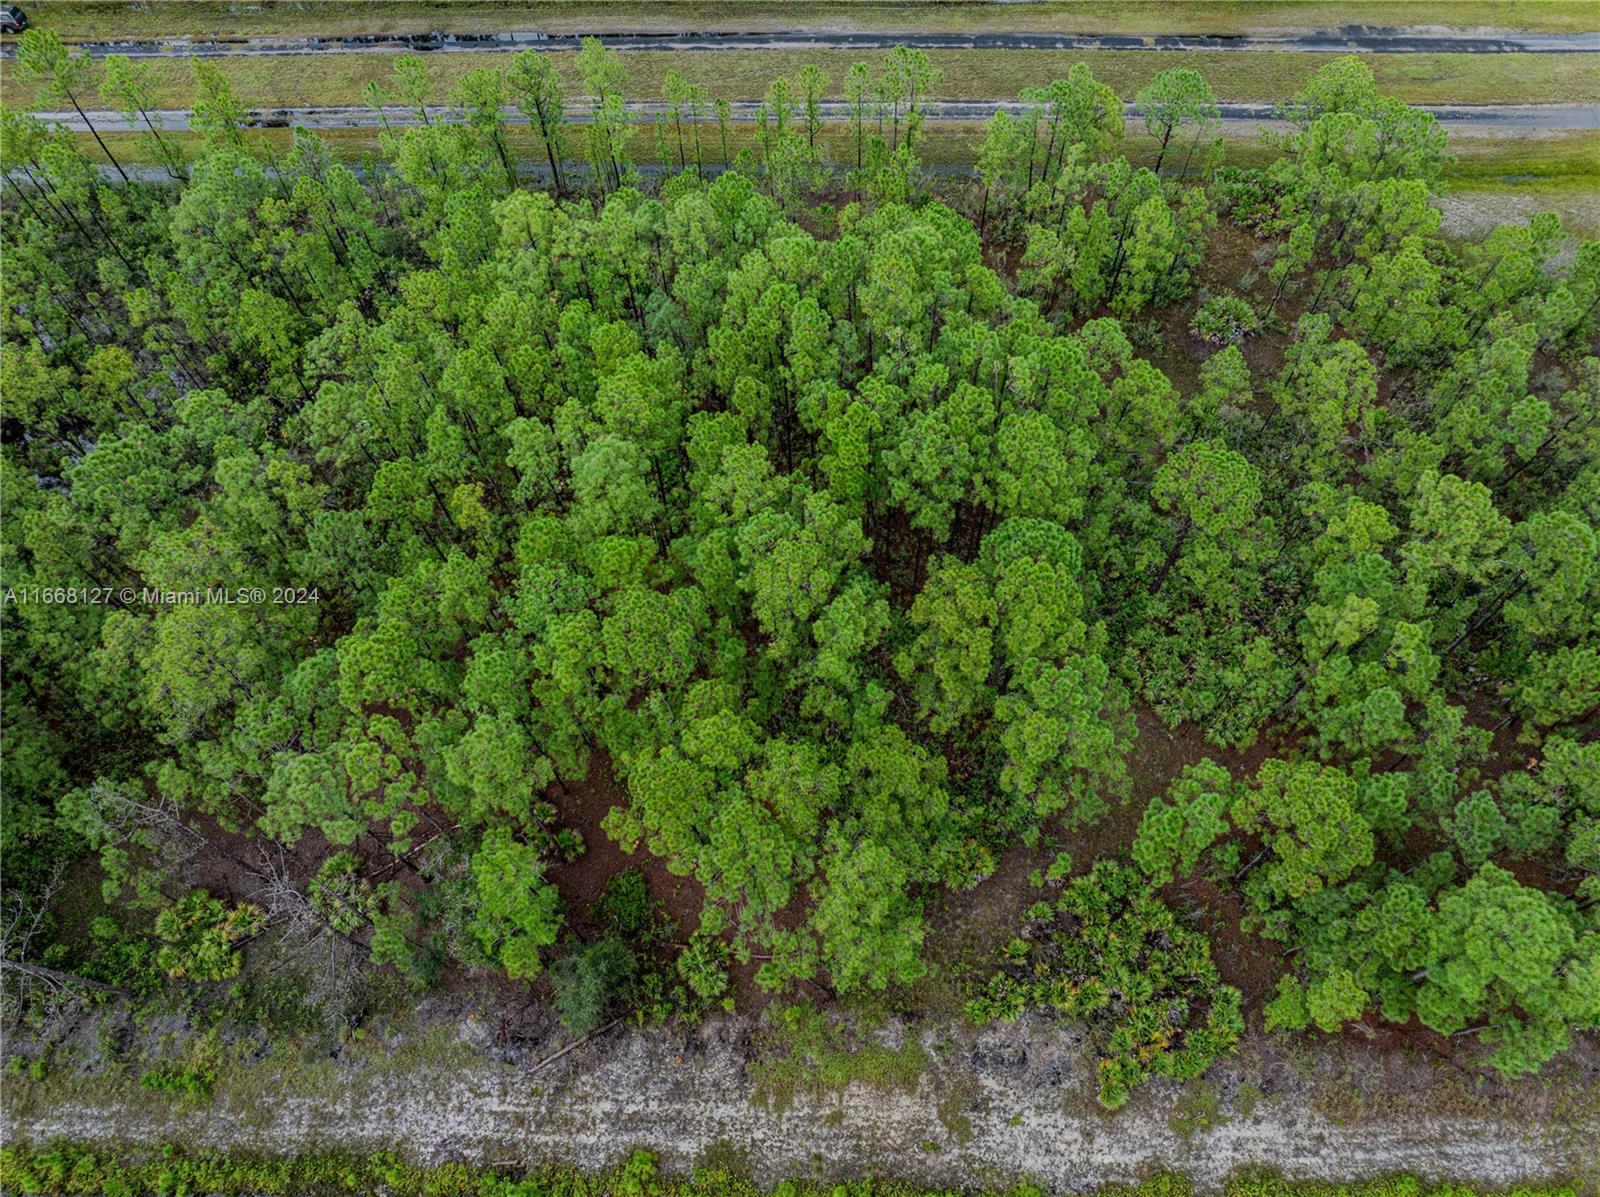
x,y
364,522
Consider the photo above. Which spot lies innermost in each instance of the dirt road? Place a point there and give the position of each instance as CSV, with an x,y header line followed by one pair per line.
x,y
1004,1103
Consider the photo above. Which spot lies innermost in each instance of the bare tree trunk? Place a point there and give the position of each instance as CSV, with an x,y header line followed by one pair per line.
x,y
57,977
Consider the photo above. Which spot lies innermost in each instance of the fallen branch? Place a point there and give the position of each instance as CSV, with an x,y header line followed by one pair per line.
x,y
574,1044
405,857
60,978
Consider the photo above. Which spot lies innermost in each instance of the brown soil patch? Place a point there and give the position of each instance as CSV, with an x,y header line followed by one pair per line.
x,y
236,866
966,928
1250,964
750,998
1247,962
581,806
1231,256
1162,752
1410,1035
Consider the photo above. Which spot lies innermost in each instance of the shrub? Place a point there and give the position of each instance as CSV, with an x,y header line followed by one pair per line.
x,y
1110,951
1224,319
199,933
191,1078
340,895
703,966
1244,196
182,1081
626,911
588,983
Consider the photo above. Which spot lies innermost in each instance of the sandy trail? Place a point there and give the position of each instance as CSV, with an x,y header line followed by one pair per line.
x,y
1003,1103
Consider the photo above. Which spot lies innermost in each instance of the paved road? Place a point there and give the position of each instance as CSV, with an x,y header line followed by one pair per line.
x,y
1512,116
1348,38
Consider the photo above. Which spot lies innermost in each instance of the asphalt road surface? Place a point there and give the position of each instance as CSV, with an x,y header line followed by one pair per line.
x,y
1480,116
1343,40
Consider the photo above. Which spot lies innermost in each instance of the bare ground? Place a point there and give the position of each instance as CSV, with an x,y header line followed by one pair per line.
x,y
1471,214
994,1105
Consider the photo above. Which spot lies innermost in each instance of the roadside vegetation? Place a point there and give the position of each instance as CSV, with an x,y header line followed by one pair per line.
x,y
136,1172
1558,164
666,590
94,20
1554,171
269,81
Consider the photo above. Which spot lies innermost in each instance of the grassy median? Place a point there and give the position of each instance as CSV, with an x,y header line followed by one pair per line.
x,y
95,20
298,81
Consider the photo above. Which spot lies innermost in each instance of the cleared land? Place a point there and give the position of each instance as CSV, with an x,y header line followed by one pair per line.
x,y
1009,1102
97,20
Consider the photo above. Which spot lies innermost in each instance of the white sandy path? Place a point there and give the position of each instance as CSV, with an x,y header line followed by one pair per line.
x,y
681,1096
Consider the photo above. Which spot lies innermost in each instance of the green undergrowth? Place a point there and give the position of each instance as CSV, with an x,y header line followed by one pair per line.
x,y
807,1052
130,1171
1565,161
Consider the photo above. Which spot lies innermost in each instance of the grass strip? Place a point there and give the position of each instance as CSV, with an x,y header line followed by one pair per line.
x,y
337,79
97,20
132,1171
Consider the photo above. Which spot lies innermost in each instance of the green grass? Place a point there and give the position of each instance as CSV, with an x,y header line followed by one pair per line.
x,y
1543,163
808,1053
138,1169
98,20
1560,174
968,74
1197,1110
